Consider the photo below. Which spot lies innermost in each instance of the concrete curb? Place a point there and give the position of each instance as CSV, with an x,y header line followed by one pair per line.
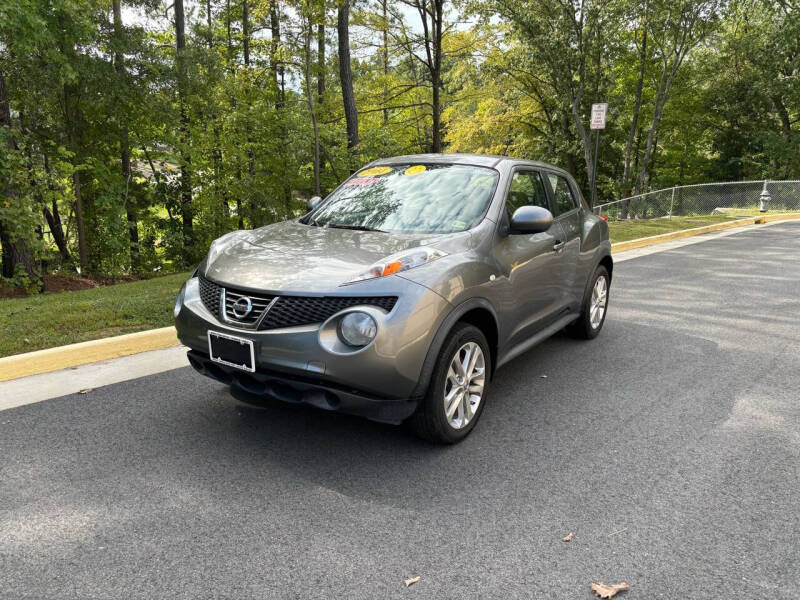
x,y
685,233
64,357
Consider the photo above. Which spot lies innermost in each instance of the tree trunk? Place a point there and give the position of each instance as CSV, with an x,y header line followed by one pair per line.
x,y
278,75
436,129
346,74
186,161
660,100
310,100
278,70
783,115
53,217
586,136
83,256
251,171
637,105
652,165
72,118
124,148
216,152
432,37
16,250
385,58
210,24
321,62
437,75
7,257
229,45
245,33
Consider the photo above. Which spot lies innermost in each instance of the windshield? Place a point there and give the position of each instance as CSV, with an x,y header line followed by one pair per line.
x,y
409,198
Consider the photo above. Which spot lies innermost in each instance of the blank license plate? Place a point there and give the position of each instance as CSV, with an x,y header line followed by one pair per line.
x,y
231,350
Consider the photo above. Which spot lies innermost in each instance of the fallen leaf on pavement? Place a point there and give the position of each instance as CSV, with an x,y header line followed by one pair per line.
x,y
568,537
608,591
85,391
412,580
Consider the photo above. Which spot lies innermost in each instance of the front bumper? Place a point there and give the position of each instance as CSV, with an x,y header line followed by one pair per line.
x,y
377,381
298,390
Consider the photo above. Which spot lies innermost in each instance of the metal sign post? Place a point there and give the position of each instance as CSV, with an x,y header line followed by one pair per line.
x,y
597,123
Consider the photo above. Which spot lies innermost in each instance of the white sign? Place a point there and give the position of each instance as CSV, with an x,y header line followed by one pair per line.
x,y
598,116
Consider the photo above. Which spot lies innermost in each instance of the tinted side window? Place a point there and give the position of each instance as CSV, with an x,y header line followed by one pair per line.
x,y
562,194
527,189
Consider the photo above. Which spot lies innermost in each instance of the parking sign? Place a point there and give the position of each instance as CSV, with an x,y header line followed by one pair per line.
x,y
598,116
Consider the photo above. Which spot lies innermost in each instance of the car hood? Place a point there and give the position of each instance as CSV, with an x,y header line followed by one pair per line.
x,y
293,257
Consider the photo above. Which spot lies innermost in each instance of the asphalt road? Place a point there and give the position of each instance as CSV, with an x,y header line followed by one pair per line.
x,y
670,446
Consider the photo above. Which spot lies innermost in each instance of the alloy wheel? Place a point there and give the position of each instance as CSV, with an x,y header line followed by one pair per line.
x,y
463,389
597,307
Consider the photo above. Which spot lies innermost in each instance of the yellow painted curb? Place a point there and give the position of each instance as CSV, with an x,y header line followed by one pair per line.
x,y
773,218
63,357
684,233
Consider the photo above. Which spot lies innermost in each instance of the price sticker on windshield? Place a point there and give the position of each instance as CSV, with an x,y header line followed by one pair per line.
x,y
361,181
415,170
375,171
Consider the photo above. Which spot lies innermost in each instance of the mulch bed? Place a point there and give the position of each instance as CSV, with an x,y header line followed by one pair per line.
x,y
55,283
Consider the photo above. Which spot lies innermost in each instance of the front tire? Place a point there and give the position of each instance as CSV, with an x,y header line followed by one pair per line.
x,y
595,305
458,388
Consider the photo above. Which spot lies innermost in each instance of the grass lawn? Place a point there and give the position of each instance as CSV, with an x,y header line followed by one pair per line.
x,y
49,320
622,231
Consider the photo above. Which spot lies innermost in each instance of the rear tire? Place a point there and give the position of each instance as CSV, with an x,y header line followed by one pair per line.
x,y
458,388
594,308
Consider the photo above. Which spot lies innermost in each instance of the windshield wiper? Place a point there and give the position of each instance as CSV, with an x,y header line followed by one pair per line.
x,y
353,227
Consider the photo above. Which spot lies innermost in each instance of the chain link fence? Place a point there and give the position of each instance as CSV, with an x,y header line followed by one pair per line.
x,y
738,197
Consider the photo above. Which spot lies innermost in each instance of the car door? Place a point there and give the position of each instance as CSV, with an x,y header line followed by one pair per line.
x,y
530,263
568,215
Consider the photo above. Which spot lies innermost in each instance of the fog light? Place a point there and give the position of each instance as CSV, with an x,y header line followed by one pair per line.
x,y
357,329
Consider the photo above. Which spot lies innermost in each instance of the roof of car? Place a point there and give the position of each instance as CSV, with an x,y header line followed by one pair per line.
x,y
481,160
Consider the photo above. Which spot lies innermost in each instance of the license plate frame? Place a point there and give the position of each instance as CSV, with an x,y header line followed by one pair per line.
x,y
229,360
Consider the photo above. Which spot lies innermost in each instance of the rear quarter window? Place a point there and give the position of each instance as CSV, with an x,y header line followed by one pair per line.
x,y
562,193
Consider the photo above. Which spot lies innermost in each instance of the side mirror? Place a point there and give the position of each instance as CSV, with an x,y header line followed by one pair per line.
x,y
531,219
313,202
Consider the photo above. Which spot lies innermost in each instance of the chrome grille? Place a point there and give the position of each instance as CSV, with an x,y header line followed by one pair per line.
x,y
258,304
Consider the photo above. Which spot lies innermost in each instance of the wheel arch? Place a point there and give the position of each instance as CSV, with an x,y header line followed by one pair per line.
x,y
607,262
475,311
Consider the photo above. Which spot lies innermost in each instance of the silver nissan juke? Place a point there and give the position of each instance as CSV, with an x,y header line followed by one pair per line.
x,y
399,295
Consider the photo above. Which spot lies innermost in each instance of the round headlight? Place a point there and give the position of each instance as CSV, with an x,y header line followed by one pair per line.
x,y
357,329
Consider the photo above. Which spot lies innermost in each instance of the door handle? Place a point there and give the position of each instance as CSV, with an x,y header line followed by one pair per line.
x,y
559,245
